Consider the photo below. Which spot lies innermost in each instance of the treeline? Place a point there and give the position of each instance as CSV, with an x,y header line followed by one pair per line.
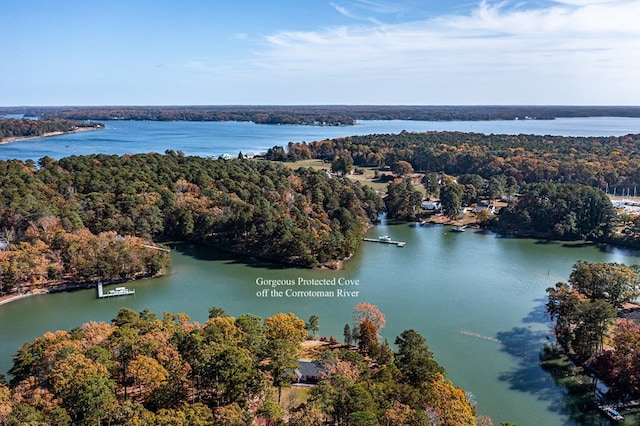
x,y
565,212
51,258
141,369
595,161
310,116
554,185
259,208
590,324
322,114
22,128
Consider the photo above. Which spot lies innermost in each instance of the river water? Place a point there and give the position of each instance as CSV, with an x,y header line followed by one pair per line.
x,y
478,298
217,138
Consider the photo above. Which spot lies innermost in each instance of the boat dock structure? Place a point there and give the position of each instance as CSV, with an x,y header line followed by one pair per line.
x,y
386,240
166,250
611,412
118,291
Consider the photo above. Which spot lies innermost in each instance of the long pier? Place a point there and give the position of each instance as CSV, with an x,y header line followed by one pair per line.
x,y
384,240
156,248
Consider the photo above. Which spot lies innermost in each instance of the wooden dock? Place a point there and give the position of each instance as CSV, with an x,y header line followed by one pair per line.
x,y
386,240
118,291
156,248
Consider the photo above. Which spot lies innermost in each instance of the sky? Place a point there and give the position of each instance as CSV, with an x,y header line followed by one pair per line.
x,y
316,52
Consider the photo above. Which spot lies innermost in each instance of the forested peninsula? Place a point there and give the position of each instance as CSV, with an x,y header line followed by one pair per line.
x,y
12,128
89,218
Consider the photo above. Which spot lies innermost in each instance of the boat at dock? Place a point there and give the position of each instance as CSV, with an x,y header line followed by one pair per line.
x,y
611,412
458,228
118,291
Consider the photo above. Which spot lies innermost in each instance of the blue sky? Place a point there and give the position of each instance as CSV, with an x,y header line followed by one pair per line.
x,y
412,52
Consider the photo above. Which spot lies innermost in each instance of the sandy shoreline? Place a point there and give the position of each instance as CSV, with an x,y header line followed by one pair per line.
x,y
48,135
12,298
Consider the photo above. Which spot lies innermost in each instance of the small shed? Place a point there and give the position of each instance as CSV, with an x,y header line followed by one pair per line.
x,y
4,244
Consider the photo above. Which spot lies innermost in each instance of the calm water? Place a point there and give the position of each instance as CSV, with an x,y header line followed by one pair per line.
x,y
216,138
477,298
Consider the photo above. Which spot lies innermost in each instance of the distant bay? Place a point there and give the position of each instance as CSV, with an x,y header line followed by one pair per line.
x,y
231,137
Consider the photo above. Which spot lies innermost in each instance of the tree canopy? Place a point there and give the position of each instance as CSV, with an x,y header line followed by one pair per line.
x,y
585,312
595,161
141,369
562,211
85,218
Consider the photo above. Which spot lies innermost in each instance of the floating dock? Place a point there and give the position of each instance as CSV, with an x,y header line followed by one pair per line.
x,y
118,291
385,240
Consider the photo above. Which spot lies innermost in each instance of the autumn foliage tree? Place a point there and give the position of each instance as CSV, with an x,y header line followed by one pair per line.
x,y
402,168
616,283
619,366
585,312
141,369
366,311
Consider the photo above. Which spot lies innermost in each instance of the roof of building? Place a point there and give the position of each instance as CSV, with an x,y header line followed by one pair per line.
x,y
308,369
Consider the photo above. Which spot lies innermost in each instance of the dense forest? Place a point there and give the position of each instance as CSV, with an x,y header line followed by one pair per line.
x,y
592,326
564,212
595,161
322,114
25,128
72,219
145,370
554,186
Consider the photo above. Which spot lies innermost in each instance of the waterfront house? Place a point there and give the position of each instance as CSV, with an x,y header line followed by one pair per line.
x,y
484,205
431,205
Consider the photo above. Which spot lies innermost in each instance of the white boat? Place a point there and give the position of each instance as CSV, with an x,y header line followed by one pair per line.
x,y
611,413
118,291
458,228
385,239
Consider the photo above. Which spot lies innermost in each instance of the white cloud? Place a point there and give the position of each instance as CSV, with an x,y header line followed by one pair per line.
x,y
343,11
570,47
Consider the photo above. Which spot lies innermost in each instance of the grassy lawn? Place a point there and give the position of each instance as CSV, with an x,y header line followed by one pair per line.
x,y
366,178
314,164
294,396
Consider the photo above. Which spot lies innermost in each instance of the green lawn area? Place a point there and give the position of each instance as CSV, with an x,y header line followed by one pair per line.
x,y
366,178
314,164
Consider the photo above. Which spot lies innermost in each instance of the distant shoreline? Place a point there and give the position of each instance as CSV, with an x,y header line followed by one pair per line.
x,y
48,135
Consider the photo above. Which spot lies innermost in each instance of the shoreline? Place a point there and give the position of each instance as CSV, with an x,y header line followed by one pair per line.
x,y
8,298
49,134
14,297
